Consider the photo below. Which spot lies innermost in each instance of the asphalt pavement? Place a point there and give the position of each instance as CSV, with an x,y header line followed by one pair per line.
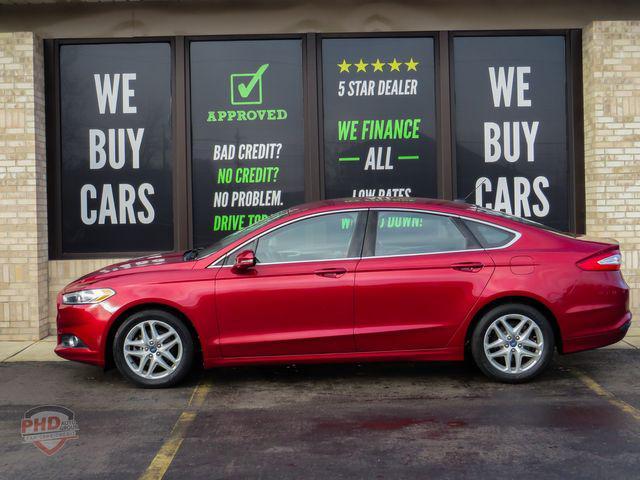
x,y
579,420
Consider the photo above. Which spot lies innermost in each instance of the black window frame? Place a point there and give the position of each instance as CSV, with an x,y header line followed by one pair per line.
x,y
313,128
574,108
54,145
443,140
308,114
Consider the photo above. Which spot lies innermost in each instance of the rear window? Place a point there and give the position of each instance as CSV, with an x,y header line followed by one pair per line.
x,y
489,236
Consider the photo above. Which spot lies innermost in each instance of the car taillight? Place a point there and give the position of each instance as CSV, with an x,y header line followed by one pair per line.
x,y
603,261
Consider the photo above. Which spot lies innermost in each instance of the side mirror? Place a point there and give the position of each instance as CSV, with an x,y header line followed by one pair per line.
x,y
245,260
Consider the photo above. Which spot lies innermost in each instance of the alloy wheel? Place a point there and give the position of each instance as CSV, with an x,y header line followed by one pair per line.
x,y
513,343
152,349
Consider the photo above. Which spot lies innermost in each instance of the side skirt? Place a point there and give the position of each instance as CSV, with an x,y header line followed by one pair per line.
x,y
438,354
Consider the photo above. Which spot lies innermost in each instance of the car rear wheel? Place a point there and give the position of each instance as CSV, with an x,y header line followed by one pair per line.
x,y
153,349
513,343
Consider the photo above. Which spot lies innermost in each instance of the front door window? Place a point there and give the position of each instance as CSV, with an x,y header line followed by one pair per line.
x,y
323,237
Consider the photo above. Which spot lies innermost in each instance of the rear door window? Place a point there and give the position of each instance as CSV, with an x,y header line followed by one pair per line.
x,y
410,233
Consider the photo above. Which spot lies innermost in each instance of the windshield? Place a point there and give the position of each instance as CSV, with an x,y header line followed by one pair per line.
x,y
229,239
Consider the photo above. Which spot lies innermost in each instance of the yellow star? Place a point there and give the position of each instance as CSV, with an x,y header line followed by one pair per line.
x,y
395,65
344,66
377,65
361,66
411,64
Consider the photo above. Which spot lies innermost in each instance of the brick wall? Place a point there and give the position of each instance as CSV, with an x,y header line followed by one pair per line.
x,y
23,226
611,70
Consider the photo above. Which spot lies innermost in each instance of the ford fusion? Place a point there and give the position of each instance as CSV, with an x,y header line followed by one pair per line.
x,y
353,280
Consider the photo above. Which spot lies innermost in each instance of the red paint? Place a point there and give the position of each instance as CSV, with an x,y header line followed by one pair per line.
x,y
285,309
415,307
415,302
380,424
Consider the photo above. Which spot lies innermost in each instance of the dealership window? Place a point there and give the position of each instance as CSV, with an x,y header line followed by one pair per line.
x,y
247,133
379,117
510,121
115,142
161,144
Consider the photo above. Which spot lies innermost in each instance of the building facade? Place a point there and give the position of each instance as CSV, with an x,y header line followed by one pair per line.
x,y
133,127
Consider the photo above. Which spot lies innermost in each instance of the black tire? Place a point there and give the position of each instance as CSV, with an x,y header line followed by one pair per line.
x,y
483,362
183,367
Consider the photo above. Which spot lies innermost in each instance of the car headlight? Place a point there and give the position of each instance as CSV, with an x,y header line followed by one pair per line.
x,y
82,297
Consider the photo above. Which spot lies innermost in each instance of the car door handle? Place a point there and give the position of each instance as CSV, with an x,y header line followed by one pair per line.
x,y
331,272
468,266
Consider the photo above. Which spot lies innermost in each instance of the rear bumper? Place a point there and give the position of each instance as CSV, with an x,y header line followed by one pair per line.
x,y
613,334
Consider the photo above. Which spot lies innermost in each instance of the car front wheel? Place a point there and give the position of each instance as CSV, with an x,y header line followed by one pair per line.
x,y
153,349
513,343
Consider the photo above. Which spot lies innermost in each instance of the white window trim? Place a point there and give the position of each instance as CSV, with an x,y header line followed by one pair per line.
x,y
516,237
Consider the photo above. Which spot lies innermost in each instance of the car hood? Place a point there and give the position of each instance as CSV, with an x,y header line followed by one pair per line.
x,y
155,262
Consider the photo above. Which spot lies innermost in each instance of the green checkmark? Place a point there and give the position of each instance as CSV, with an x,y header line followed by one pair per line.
x,y
245,90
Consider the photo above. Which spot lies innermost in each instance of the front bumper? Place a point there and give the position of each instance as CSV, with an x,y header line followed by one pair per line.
x,y
90,324
79,354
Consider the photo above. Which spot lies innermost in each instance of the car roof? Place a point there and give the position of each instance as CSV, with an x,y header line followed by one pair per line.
x,y
458,207
391,202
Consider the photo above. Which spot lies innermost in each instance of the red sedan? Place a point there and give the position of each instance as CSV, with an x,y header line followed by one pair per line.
x,y
353,280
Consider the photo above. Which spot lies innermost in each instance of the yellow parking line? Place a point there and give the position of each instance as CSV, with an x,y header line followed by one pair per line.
x,y
603,392
199,395
161,462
